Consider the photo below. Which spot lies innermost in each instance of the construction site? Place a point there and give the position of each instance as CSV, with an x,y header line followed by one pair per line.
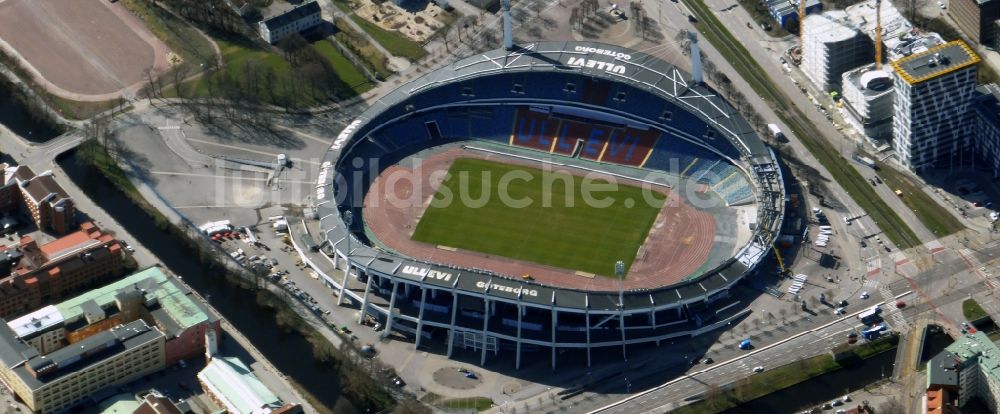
x,y
842,53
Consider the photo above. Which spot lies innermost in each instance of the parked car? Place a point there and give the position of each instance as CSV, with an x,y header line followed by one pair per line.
x,y
900,305
758,369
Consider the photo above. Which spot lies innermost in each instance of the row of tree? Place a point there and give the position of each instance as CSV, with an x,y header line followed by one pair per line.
x,y
215,16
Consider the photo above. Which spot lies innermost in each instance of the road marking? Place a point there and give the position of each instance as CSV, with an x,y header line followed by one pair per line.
x,y
269,154
652,391
305,135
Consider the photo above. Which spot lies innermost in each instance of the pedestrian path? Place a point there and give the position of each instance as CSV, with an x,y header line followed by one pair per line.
x,y
977,266
894,314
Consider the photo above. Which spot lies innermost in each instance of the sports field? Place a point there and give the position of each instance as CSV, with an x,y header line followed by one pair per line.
x,y
567,232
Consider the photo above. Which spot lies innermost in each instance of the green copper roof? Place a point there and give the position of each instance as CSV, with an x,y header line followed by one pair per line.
x,y
981,350
177,303
239,388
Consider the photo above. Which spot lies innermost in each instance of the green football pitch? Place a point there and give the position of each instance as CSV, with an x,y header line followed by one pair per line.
x,y
567,232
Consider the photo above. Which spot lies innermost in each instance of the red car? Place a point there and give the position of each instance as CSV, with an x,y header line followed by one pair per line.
x,y
900,305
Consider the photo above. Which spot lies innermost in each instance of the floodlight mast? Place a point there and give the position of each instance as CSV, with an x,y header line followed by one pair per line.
x,y
508,36
696,76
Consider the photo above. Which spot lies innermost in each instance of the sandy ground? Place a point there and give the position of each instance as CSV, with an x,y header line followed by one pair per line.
x,y
87,50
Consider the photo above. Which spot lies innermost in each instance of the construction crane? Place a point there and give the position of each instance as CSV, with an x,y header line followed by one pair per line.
x,y
781,262
878,34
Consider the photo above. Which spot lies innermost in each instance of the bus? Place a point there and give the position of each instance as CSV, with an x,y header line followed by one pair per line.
x,y
868,162
868,316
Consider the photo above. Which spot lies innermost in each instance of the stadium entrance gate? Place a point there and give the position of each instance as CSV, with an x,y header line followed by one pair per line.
x,y
474,340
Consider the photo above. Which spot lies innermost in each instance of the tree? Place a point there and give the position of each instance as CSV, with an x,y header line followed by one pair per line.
x,y
892,405
783,312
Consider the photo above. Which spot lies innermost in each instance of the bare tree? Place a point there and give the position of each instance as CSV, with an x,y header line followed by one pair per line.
x,y
783,312
892,405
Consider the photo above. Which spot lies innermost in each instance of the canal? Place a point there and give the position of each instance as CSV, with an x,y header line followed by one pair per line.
x,y
823,388
290,353
16,117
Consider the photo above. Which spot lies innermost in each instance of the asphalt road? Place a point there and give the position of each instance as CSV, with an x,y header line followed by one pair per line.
x,y
766,51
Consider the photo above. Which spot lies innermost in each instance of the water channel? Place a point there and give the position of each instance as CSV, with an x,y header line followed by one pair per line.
x,y
290,353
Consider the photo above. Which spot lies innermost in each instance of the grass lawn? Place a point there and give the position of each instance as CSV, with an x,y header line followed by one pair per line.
x,y
972,310
395,43
236,56
938,220
180,37
346,71
476,403
559,228
860,190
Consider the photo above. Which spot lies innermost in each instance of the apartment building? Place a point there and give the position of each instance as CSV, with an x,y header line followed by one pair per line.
x,y
149,295
975,18
296,20
40,196
932,126
36,274
969,367
64,378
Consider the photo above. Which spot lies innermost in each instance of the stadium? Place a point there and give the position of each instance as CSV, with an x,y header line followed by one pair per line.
x,y
550,118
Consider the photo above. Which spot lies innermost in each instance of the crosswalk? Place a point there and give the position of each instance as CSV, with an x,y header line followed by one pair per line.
x,y
899,322
873,266
978,268
870,284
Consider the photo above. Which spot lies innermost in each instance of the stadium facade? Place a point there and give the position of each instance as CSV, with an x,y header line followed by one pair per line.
x,y
661,119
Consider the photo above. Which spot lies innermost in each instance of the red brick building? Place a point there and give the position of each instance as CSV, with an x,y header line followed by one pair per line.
x,y
40,196
34,275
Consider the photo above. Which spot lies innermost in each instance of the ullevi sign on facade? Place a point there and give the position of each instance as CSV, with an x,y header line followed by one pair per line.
x,y
345,134
508,289
606,52
596,64
423,271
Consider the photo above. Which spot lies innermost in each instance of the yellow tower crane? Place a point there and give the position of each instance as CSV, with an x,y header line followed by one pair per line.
x,y
878,34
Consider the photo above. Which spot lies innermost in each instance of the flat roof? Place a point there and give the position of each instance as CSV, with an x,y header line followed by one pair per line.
x,y
943,369
155,286
979,347
935,62
239,389
86,352
37,321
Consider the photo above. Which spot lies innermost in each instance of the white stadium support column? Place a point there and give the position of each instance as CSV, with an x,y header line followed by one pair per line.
x,y
587,316
420,313
555,320
364,299
392,309
517,361
486,325
343,285
454,312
